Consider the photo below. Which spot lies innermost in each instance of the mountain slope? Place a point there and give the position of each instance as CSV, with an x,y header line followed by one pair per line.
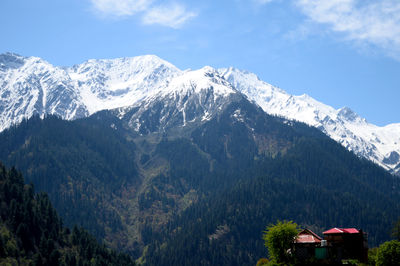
x,y
273,171
379,144
80,166
30,86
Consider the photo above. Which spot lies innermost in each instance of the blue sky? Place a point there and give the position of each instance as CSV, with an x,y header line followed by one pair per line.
x,y
341,52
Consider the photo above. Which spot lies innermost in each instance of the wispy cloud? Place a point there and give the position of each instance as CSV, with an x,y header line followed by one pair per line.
x,y
120,8
373,22
366,22
172,14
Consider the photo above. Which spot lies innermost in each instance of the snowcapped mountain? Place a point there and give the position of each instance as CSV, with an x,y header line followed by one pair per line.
x,y
29,86
154,92
379,144
151,95
112,83
193,96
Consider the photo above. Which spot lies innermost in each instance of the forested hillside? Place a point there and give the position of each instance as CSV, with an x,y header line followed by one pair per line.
x,y
202,194
79,165
317,183
31,232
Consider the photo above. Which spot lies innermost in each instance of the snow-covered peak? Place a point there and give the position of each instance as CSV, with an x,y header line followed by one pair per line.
x,y
123,68
30,85
240,75
264,94
11,60
347,114
275,101
195,81
112,83
190,98
244,80
23,68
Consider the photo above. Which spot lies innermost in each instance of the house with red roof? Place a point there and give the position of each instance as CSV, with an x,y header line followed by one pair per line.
x,y
338,244
348,243
307,237
305,244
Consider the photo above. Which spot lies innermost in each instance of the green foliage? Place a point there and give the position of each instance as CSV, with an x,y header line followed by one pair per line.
x,y
32,233
372,256
388,254
279,239
396,230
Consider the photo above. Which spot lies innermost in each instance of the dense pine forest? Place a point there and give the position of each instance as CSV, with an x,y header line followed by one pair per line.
x,y
79,165
226,229
31,232
201,196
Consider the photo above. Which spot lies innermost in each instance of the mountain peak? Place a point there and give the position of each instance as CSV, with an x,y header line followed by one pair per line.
x,y
197,81
10,55
130,63
208,69
113,83
11,60
205,72
347,114
236,71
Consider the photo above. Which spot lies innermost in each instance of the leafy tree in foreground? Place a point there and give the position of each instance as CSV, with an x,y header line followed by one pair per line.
x,y
372,252
278,239
388,254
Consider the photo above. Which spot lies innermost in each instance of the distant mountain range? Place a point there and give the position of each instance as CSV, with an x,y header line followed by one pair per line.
x,y
151,95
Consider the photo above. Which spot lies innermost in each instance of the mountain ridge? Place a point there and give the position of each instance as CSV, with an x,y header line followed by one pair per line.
x,y
343,125
32,86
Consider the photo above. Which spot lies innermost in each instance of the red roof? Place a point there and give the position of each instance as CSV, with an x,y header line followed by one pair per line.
x,y
307,236
341,231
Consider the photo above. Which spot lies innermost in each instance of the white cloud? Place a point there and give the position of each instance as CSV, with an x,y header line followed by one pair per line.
x,y
373,22
120,8
173,16
263,2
